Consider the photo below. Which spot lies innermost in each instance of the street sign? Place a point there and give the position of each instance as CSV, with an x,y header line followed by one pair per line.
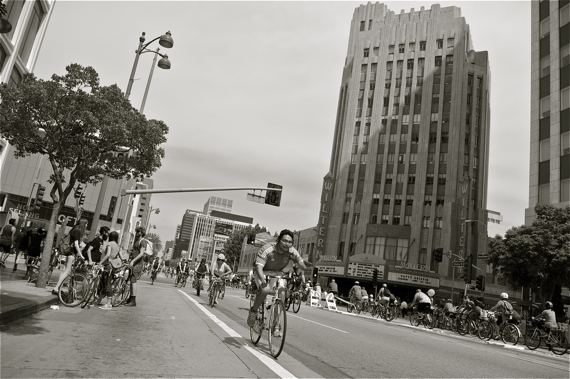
x,y
457,263
482,256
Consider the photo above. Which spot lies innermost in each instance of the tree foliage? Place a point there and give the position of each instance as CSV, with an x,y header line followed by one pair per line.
x,y
156,242
536,256
232,247
79,126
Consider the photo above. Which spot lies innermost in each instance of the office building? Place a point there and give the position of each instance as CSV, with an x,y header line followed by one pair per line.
x,y
549,181
218,204
410,152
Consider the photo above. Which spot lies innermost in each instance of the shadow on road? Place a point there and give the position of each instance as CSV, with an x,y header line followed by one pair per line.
x,y
22,327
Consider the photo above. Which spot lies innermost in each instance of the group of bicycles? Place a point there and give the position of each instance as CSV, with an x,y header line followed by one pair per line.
x,y
387,312
468,322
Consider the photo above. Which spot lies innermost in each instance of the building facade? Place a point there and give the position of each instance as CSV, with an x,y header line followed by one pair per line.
x,y
218,204
549,181
410,152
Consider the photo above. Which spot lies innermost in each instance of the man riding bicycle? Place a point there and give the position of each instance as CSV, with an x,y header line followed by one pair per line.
x,y
272,258
220,271
155,265
296,279
423,301
183,268
355,293
201,272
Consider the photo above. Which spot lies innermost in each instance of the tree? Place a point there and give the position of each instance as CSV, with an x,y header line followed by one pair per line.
x,y
79,126
536,256
156,242
232,247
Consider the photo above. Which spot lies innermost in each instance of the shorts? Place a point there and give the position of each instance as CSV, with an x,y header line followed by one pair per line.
x,y
424,307
137,271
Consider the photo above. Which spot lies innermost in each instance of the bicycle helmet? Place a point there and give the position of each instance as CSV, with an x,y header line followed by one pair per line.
x,y
504,296
548,305
222,257
430,292
356,282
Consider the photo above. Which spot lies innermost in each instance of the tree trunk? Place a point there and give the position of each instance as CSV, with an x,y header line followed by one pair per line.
x,y
46,255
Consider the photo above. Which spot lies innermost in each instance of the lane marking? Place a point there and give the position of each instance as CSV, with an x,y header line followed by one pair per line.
x,y
292,315
269,362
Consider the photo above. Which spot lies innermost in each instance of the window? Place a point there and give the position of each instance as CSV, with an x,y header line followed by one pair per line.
x,y
403,138
376,198
470,80
384,219
565,143
3,56
32,31
545,66
367,129
419,81
441,179
444,137
398,198
374,219
564,14
545,27
439,43
544,150
396,220
390,158
386,199
15,78
13,11
565,190
413,157
545,107
391,49
409,200
357,128
430,157
393,138
475,162
427,200
356,219
429,179
438,61
544,194
366,53
412,47
376,51
411,180
564,55
388,179
401,48
425,222
434,117
422,45
438,222
442,158
468,119
381,138
440,201
362,25
450,42
391,248
565,98
370,25
417,118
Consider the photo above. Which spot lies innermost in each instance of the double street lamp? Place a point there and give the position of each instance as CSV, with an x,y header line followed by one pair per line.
x,y
150,211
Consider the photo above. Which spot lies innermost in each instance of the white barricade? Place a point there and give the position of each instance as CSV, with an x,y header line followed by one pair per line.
x,y
315,299
331,302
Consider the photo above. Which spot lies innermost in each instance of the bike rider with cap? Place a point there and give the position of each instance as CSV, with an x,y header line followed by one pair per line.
x,y
355,293
220,271
272,258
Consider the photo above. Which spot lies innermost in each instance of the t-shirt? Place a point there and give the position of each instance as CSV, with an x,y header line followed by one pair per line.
x,y
356,290
271,260
137,249
202,268
96,246
421,298
549,317
364,293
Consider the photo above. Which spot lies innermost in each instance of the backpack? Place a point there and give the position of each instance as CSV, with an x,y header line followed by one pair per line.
x,y
387,292
148,250
508,308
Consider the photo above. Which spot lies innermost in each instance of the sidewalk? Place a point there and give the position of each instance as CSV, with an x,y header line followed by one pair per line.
x,y
18,298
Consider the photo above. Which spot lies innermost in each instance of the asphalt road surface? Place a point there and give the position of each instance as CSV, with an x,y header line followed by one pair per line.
x,y
172,333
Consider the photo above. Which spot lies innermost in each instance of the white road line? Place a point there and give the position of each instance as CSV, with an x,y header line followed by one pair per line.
x,y
292,315
273,366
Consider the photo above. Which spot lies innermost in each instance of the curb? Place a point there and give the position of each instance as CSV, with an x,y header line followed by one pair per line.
x,y
26,310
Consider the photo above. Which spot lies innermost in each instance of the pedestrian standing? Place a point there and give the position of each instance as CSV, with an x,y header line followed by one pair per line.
x,y
35,247
140,247
76,235
404,308
7,240
22,242
112,262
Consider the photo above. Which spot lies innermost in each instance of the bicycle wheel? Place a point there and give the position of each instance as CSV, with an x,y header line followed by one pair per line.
x,y
117,291
428,320
473,326
510,334
485,331
414,319
462,327
358,308
256,330
73,290
89,293
246,293
296,303
213,293
350,308
532,339
559,342
222,292
33,275
198,287
288,301
277,328
390,314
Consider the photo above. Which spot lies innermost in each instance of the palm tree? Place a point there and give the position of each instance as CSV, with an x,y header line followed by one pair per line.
x,y
156,242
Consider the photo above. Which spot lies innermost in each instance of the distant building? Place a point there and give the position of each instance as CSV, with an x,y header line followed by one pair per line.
x,y
549,181
218,204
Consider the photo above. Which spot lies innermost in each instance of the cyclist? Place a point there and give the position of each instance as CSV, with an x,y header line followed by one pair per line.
x,y
333,287
355,293
364,295
296,279
200,272
547,319
155,267
272,258
384,294
423,301
183,268
220,271
507,313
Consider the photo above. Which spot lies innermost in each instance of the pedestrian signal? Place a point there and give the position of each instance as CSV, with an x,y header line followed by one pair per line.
x,y
437,254
273,197
78,191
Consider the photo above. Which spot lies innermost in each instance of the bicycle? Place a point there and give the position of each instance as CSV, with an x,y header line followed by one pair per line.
x,y
121,285
509,333
183,277
214,289
294,299
354,306
555,339
93,280
198,283
73,289
275,323
153,276
424,318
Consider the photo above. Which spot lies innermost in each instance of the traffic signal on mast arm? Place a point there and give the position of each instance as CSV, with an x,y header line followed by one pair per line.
x,y
375,276
480,283
81,200
78,191
437,254
40,196
315,275
467,269
112,205
273,197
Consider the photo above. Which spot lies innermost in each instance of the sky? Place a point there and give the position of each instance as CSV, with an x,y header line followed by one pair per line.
x,y
252,93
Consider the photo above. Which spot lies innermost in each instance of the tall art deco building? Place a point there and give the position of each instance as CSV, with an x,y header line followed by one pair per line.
x,y
410,152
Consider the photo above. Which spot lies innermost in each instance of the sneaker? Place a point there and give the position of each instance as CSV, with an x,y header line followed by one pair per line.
x,y
251,317
277,332
54,292
132,303
106,306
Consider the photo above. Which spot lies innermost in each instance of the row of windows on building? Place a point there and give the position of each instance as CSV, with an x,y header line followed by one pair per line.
x,y
13,12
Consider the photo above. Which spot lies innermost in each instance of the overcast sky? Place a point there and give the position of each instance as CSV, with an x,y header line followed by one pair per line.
x,y
252,93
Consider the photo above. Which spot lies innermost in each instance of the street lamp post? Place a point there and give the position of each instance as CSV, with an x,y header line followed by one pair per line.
x,y
150,211
165,41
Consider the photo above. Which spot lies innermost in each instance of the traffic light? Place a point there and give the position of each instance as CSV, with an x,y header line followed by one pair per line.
x,y
375,276
315,274
251,239
78,191
40,196
480,283
112,205
467,269
437,254
81,200
273,197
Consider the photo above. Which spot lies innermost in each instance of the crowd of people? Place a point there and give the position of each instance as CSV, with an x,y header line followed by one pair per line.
x,y
28,242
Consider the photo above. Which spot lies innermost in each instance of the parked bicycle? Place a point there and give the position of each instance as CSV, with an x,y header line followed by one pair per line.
x,y
273,318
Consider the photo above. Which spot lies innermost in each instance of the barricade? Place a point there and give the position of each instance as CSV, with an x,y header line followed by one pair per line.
x,y
315,299
331,302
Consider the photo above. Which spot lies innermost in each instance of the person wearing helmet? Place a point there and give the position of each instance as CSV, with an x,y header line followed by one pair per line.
x,y
384,295
423,301
271,259
507,313
201,272
355,293
547,319
220,272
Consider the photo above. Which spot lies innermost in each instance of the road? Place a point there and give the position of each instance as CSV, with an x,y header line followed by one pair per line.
x,y
171,333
